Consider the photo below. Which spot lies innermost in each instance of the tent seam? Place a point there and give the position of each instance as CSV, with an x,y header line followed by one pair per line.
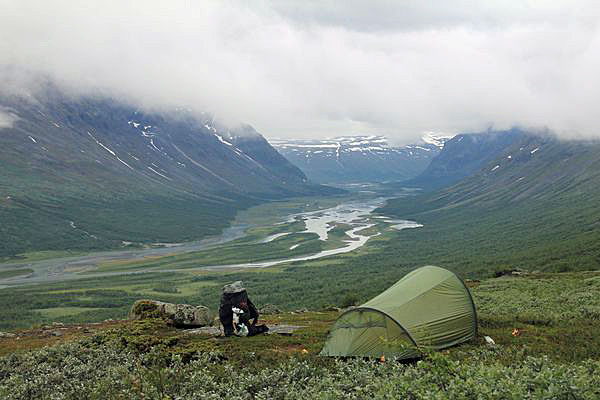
x,y
475,324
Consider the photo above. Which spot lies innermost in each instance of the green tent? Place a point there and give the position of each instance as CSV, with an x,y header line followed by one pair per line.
x,y
429,307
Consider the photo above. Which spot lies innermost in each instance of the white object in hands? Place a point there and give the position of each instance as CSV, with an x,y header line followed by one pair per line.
x,y
489,340
239,329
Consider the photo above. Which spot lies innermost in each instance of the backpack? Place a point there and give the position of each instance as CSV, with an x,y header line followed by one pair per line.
x,y
235,296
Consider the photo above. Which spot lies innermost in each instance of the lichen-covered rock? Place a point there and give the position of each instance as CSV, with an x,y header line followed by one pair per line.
x,y
180,315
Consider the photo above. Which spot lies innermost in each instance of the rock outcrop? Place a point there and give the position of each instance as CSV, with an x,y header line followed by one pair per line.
x,y
180,315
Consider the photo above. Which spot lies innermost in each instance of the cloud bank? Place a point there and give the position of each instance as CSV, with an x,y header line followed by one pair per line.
x,y
325,68
6,119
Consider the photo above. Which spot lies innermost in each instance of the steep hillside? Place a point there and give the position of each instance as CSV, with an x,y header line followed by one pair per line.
x,y
92,173
463,156
534,205
358,158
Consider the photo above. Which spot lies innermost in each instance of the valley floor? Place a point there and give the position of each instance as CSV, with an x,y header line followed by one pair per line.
x,y
264,235
270,239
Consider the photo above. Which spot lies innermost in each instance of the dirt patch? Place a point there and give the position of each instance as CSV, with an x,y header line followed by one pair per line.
x,y
49,335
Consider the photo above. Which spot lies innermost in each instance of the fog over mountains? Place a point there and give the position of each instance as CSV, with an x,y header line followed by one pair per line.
x,y
322,69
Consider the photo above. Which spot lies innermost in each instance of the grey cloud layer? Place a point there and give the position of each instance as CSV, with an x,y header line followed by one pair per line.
x,y
326,68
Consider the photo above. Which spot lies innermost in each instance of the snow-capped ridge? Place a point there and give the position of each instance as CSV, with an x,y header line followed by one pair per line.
x,y
361,157
436,139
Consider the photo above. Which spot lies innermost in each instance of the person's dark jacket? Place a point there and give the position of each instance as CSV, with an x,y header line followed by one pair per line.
x,y
241,301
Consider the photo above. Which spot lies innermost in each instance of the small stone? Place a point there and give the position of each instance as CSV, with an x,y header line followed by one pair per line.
x,y
207,330
7,335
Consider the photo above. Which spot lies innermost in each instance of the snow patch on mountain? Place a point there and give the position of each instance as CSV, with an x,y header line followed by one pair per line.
x,y
358,144
359,158
436,139
223,140
110,151
158,173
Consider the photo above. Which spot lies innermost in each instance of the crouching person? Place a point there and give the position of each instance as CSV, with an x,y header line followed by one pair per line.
x,y
237,313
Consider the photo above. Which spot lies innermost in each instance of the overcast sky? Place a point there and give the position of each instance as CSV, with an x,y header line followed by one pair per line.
x,y
326,68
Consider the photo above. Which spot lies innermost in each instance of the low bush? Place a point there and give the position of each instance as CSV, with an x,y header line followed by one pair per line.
x,y
349,300
98,371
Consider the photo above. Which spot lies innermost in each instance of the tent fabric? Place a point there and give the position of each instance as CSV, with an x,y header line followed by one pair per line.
x,y
429,307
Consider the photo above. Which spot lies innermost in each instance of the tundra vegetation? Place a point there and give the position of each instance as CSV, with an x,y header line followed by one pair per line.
x,y
544,326
545,320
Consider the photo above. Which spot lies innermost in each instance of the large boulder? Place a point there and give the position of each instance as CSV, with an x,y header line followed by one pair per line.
x,y
180,315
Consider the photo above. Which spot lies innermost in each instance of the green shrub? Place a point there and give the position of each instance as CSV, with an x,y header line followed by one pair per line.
x,y
97,371
349,300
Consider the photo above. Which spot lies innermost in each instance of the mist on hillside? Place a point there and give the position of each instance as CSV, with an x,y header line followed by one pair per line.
x,y
323,69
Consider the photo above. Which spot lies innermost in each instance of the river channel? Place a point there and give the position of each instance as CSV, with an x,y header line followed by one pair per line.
x,y
355,214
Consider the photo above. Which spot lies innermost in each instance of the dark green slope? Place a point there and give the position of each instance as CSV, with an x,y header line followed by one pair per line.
x,y
535,206
462,156
90,173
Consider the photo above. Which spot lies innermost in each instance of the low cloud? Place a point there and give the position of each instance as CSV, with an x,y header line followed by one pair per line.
x,y
314,69
7,119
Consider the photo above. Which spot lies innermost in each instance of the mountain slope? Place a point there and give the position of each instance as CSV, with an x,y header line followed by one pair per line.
x,y
536,204
91,173
462,156
358,158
